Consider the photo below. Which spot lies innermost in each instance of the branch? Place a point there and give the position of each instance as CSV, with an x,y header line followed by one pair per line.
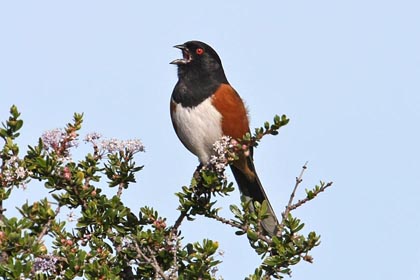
x,y
76,191
290,206
3,182
234,224
47,226
286,212
2,210
120,189
174,243
178,222
152,261
306,199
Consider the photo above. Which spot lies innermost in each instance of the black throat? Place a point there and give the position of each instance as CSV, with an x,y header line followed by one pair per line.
x,y
195,85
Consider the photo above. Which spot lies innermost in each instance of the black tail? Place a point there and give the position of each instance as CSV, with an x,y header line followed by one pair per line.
x,y
251,189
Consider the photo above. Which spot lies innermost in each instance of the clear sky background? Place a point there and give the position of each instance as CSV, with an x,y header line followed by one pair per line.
x,y
347,74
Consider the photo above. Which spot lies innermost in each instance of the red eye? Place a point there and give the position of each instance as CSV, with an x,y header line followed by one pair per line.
x,y
199,51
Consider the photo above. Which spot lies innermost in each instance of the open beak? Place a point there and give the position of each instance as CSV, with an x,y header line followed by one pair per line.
x,y
186,56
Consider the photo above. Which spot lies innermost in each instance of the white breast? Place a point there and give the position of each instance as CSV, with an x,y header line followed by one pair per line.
x,y
198,128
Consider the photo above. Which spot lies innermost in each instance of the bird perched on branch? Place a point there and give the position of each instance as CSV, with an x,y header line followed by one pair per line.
x,y
205,107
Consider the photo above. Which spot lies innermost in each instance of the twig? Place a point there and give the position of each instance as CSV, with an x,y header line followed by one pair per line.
x,y
126,273
178,222
306,199
2,210
152,261
47,226
173,243
292,195
184,212
120,189
52,257
76,191
232,223
286,212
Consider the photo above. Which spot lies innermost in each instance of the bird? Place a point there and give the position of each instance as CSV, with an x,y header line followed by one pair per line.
x,y
203,108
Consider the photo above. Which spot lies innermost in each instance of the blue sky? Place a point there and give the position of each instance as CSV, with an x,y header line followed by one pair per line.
x,y
345,72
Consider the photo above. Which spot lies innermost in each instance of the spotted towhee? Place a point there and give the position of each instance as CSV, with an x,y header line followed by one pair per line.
x,y
205,107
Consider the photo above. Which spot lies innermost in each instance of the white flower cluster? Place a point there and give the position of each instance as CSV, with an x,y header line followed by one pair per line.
x,y
92,137
13,173
115,145
126,242
59,141
219,159
45,264
53,139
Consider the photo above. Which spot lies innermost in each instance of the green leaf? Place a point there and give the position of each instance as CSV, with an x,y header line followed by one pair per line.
x,y
264,208
235,210
252,235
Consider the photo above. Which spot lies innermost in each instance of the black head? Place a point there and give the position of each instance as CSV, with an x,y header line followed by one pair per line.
x,y
200,58
196,52
200,73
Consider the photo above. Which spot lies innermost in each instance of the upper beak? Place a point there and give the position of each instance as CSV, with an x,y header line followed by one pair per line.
x,y
185,55
181,47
